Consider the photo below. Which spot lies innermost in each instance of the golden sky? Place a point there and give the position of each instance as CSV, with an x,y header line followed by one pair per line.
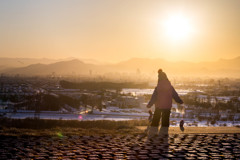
x,y
116,30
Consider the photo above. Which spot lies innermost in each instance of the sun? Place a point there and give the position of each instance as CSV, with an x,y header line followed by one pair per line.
x,y
177,27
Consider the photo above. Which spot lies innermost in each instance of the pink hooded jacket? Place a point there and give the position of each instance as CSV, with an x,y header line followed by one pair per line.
x,y
163,94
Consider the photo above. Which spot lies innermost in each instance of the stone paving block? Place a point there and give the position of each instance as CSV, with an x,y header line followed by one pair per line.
x,y
182,146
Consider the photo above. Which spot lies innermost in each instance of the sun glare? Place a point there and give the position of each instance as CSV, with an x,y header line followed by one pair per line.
x,y
177,27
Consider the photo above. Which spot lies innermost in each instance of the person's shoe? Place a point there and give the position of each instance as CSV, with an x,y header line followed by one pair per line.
x,y
152,131
163,131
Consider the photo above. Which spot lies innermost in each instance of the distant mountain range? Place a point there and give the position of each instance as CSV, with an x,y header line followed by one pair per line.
x,y
222,67
6,63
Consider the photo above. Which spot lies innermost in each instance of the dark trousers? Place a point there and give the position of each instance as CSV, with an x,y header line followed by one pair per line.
x,y
158,114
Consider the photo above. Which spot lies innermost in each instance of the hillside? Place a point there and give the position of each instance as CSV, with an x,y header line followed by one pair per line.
x,y
222,67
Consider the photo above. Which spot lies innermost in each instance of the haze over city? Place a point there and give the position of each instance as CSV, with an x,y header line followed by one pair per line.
x,y
114,31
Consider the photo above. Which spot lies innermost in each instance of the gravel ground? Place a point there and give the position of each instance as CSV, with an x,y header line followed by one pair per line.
x,y
172,146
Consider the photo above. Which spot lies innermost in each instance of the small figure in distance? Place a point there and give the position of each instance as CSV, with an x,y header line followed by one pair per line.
x,y
162,98
149,120
150,115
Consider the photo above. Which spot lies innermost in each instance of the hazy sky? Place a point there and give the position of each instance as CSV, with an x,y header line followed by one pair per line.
x,y
115,30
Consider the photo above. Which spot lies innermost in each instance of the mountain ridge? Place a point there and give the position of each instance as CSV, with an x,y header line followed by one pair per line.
x,y
133,65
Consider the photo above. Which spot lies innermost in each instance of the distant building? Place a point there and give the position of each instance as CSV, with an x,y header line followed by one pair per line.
x,y
130,102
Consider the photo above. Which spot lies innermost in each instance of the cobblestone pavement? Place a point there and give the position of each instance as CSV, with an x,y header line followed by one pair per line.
x,y
173,146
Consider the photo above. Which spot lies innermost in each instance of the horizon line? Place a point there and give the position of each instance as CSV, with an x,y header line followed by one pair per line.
x,y
114,62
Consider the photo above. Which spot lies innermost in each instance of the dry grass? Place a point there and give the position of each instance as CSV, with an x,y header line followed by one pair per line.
x,y
200,130
66,132
48,124
38,127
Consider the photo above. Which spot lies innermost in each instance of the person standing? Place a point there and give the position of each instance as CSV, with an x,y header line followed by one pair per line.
x,y
162,98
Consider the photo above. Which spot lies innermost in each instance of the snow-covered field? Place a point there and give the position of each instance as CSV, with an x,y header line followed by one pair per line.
x,y
138,92
71,116
111,113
